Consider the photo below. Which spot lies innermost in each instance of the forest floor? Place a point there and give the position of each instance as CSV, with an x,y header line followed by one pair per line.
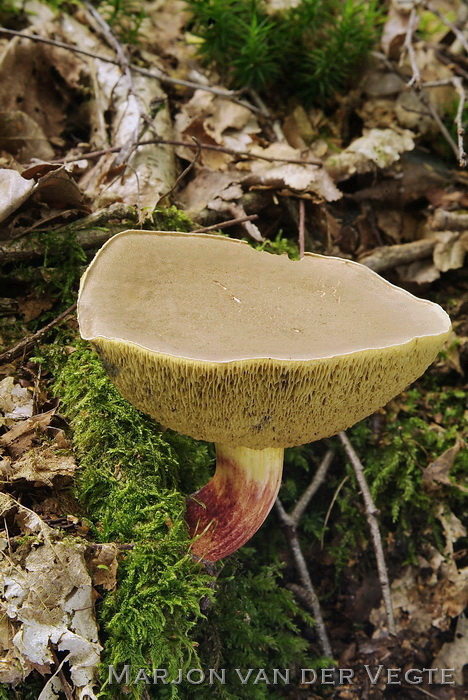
x,y
99,135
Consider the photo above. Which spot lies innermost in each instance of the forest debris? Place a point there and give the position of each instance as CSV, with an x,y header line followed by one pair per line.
x,y
430,593
387,257
41,466
438,471
16,402
47,595
32,307
20,438
450,250
454,654
14,190
292,176
378,147
22,136
103,566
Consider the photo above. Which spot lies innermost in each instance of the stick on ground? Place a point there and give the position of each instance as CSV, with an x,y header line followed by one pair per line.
x,y
371,515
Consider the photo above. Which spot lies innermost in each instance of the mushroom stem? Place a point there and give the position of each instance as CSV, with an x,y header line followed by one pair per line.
x,y
230,508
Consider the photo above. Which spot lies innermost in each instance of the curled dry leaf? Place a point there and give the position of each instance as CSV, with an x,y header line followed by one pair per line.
x,y
20,438
439,470
41,466
378,147
103,566
14,190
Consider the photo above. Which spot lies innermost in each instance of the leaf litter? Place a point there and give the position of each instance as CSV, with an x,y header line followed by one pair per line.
x,y
366,185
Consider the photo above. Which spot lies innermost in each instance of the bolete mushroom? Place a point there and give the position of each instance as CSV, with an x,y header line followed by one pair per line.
x,y
252,351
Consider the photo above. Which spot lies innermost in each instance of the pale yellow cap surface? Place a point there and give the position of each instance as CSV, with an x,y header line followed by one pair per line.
x,y
228,344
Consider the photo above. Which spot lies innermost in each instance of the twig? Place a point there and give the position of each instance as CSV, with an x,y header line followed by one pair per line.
x,y
289,524
387,257
412,24
153,73
226,224
453,27
458,85
426,102
203,146
189,167
27,343
59,672
313,487
106,31
301,228
289,529
371,513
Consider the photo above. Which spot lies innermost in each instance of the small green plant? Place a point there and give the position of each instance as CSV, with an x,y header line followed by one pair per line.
x,y
311,50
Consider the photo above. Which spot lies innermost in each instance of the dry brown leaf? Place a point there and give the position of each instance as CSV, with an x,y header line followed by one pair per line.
x,y
20,438
41,466
22,136
103,566
377,148
14,190
450,250
394,31
32,307
439,470
296,177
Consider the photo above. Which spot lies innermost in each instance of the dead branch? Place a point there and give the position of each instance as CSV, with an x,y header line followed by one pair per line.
x,y
371,513
453,27
458,84
301,228
449,221
91,231
226,224
412,25
27,343
204,146
289,523
388,257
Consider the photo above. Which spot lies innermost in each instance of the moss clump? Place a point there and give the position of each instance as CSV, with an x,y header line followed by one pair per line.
x,y
132,482
309,51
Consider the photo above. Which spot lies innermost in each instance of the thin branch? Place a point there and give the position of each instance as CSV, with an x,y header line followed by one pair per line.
x,y
226,224
453,27
290,532
301,228
390,256
412,24
185,144
458,85
153,73
312,488
124,64
371,515
189,167
27,343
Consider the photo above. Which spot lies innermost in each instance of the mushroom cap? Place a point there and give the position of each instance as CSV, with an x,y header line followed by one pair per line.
x,y
229,344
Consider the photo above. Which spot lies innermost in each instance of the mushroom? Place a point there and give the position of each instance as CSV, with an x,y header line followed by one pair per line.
x,y
252,351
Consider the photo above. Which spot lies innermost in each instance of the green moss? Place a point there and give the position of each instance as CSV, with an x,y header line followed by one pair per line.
x,y
309,51
170,219
132,482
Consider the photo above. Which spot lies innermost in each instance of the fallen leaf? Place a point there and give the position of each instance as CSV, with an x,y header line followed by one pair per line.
x,y
41,466
22,136
14,190
33,307
450,250
378,147
438,471
103,566
20,438
454,655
